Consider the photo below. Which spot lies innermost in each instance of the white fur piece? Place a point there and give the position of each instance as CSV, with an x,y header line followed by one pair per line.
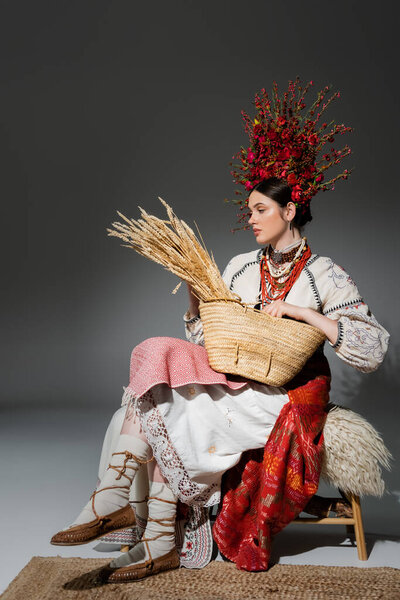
x,y
354,451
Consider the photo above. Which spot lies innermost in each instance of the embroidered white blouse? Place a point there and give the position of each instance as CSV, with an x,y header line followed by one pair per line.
x,y
324,286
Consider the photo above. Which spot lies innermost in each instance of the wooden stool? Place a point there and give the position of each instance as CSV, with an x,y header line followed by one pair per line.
x,y
353,455
353,524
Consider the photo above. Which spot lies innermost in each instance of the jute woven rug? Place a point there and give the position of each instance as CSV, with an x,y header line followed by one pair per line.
x,y
77,578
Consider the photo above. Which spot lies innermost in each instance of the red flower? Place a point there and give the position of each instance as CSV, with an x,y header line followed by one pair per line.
x,y
272,135
296,193
264,174
291,179
313,139
284,154
296,152
281,121
248,185
309,172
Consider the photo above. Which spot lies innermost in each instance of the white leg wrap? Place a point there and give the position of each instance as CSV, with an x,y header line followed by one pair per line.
x,y
129,454
160,528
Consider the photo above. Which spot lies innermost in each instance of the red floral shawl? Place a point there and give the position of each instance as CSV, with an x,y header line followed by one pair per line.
x,y
270,487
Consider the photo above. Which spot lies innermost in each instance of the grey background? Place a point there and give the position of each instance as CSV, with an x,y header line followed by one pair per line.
x,y
105,106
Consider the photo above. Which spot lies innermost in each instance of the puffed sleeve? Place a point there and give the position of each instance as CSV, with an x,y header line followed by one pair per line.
x,y
362,342
193,326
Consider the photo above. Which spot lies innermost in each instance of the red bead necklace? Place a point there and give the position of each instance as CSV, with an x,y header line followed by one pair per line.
x,y
280,290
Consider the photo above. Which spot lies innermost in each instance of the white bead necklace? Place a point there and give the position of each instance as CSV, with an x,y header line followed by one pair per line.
x,y
279,272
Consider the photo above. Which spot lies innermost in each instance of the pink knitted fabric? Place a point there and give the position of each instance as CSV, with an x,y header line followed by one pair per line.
x,y
174,362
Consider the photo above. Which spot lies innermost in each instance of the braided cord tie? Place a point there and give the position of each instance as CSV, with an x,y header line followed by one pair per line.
x,y
121,470
168,521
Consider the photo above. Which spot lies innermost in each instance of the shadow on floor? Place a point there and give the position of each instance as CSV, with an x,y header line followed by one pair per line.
x,y
293,542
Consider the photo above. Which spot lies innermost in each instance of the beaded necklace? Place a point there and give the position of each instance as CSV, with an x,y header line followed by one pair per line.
x,y
279,289
278,257
280,270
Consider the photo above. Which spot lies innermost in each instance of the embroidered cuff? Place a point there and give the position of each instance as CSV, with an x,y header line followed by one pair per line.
x,y
339,337
357,301
189,320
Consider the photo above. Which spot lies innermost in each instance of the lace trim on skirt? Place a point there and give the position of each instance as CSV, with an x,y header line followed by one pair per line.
x,y
171,466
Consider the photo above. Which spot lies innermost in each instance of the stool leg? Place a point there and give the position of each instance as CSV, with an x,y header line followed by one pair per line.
x,y
350,530
125,548
358,527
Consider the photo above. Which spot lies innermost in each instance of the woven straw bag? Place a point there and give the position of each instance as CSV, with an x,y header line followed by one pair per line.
x,y
241,340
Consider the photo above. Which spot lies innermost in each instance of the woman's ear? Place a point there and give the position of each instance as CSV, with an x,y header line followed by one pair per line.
x,y
290,210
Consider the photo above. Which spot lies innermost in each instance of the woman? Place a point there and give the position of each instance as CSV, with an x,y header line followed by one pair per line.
x,y
190,435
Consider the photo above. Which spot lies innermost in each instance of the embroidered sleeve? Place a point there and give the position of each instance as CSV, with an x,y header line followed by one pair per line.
x,y
193,329
193,326
362,342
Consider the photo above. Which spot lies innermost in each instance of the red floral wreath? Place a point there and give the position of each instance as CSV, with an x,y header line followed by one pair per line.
x,y
285,143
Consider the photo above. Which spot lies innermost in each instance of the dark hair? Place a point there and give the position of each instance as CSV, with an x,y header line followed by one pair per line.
x,y
280,191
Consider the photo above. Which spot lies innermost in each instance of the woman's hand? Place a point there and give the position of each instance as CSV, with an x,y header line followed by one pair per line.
x,y
280,308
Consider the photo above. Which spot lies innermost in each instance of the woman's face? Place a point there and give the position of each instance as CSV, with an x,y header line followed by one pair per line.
x,y
266,219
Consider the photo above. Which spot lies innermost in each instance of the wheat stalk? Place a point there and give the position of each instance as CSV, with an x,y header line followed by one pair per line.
x,y
173,244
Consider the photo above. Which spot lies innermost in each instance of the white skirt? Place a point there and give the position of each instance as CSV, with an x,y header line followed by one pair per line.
x,y
197,432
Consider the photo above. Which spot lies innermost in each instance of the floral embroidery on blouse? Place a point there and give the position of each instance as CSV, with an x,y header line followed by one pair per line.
x,y
339,276
365,338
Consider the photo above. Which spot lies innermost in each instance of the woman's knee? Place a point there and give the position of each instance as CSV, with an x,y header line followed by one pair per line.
x,y
131,424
